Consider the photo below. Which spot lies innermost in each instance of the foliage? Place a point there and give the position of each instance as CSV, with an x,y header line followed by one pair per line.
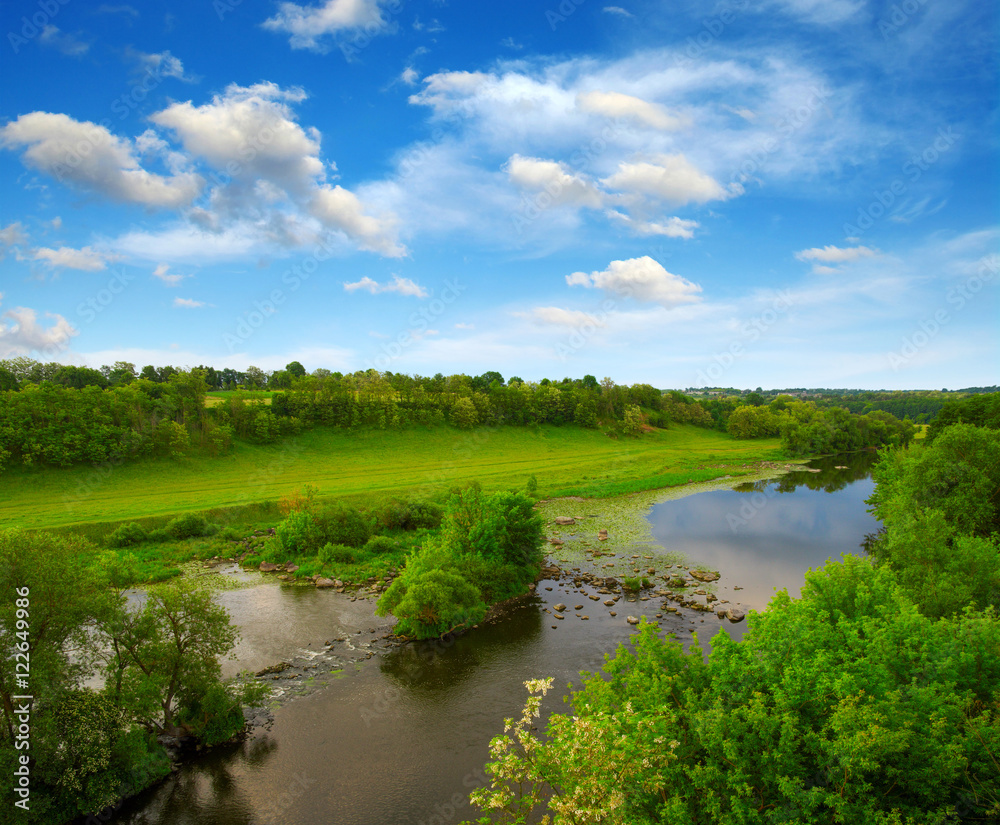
x,y
188,526
377,545
408,514
845,705
501,527
341,523
128,535
432,597
981,410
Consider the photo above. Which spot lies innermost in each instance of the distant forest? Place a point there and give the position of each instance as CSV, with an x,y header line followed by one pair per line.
x,y
59,415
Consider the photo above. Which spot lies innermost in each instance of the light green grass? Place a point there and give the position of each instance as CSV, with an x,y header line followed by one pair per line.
x,y
365,466
218,396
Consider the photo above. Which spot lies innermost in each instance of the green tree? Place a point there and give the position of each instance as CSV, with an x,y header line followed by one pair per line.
x,y
295,369
464,414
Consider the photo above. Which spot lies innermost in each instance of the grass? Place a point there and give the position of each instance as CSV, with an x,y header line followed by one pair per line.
x,y
242,489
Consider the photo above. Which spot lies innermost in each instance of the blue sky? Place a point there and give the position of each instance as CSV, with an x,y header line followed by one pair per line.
x,y
777,193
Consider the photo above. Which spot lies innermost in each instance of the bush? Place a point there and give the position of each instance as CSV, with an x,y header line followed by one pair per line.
x,y
337,554
188,526
159,536
128,535
298,534
377,545
342,524
409,514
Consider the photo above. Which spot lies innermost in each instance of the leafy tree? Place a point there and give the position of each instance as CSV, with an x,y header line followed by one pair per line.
x,y
464,414
295,369
845,705
79,377
149,373
634,420
167,654
8,381
256,378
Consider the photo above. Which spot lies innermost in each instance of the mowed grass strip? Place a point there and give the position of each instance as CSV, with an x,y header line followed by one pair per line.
x,y
365,466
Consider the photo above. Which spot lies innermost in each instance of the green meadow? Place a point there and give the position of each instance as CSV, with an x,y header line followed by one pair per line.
x,y
243,488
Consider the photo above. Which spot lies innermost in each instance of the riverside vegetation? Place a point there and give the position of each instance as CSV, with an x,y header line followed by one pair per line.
x,y
874,697
460,547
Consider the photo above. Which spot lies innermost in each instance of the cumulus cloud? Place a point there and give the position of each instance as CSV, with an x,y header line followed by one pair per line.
x,y
409,76
563,186
309,26
641,278
616,104
251,134
671,178
556,316
823,256
86,259
21,333
188,303
87,156
403,286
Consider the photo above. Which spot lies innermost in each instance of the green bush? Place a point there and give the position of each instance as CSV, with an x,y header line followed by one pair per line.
x,y
337,554
298,534
128,535
342,524
190,525
159,536
377,545
432,597
409,514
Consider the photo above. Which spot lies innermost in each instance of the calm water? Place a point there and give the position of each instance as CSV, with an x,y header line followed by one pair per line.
x,y
402,738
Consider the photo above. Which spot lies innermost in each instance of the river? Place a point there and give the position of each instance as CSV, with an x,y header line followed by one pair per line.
x,y
399,736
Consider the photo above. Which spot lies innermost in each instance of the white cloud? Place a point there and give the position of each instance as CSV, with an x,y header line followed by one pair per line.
x,y
461,325
821,12
188,303
161,64
23,334
13,234
169,278
409,76
250,133
70,45
556,316
403,286
671,178
86,259
309,25
616,104
834,255
563,186
641,278
670,227
88,156
617,10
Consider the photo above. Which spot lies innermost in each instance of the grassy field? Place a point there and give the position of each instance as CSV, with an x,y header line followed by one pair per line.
x,y
364,466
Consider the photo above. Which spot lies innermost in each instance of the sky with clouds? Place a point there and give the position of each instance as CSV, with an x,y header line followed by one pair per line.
x,y
777,193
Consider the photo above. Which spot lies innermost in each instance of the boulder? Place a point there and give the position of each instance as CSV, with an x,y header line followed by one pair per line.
x,y
632,620
704,576
559,608
267,567
324,582
565,520
734,614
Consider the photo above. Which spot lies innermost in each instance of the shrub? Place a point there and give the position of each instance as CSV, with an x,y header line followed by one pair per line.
x,y
128,535
298,534
342,524
159,536
409,514
188,526
337,554
377,545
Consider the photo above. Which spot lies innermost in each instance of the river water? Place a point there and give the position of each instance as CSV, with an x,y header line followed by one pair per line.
x,y
400,738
